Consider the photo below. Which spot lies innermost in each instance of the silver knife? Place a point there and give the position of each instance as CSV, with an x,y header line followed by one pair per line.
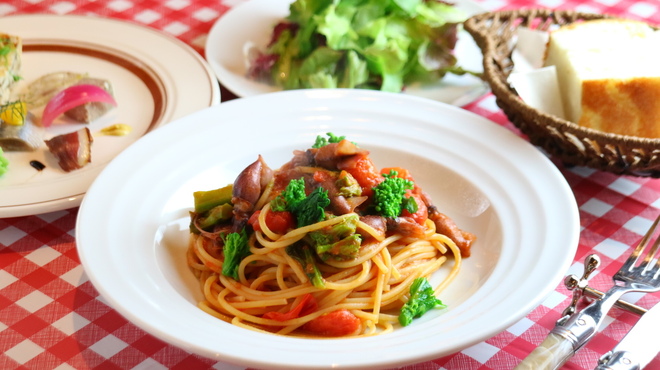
x,y
637,348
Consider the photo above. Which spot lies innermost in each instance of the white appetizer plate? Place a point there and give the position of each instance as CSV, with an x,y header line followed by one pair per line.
x,y
490,181
250,25
156,79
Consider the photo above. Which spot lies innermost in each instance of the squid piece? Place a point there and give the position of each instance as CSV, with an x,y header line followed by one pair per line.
x,y
406,226
248,187
330,155
447,226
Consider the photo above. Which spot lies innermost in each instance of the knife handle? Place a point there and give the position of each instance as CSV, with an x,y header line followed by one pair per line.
x,y
549,355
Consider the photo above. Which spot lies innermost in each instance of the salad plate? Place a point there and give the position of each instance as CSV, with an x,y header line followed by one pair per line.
x,y
249,26
150,86
490,181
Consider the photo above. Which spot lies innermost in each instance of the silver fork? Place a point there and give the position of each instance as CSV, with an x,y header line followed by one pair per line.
x,y
575,329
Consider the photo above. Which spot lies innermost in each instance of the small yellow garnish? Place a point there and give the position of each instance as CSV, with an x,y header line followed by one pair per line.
x,y
13,113
119,129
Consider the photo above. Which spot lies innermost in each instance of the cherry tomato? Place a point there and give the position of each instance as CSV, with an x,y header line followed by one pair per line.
x,y
334,324
278,222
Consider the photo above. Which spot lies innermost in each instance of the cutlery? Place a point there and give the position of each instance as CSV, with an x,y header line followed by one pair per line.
x,y
575,329
637,348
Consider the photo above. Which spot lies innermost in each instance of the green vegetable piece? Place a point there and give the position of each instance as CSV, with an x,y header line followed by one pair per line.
x,y
215,215
388,196
307,209
293,194
332,138
235,249
337,241
205,200
409,204
302,253
4,163
348,185
311,209
422,299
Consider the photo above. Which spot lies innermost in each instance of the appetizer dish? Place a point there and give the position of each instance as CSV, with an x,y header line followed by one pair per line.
x,y
384,45
25,114
324,246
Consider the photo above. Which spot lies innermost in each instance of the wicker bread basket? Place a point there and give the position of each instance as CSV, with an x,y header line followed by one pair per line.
x,y
567,141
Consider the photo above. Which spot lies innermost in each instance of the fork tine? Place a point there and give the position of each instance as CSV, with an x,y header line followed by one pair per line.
x,y
649,257
634,256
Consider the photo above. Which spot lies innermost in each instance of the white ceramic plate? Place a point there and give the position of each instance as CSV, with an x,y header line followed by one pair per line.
x,y
156,79
251,23
489,180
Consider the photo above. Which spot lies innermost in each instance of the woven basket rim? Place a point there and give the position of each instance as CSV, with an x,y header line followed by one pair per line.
x,y
503,90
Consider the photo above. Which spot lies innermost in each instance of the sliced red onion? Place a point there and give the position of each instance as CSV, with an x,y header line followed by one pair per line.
x,y
72,97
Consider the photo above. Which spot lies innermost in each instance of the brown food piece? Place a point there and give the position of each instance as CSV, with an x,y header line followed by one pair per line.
x,y
72,150
88,112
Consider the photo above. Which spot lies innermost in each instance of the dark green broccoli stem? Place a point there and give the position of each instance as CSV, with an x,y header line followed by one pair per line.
x,y
304,255
422,299
205,200
208,219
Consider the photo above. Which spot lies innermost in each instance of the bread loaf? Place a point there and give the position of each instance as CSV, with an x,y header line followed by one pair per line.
x,y
609,75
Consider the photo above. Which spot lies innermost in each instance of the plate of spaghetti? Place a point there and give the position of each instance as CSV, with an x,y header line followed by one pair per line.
x,y
304,229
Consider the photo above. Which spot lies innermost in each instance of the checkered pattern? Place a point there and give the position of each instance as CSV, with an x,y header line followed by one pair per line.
x,y
52,317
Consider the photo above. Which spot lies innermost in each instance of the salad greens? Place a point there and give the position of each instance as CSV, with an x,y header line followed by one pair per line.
x,y
374,44
422,299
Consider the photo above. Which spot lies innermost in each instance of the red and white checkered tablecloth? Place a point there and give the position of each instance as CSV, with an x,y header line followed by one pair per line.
x,y
51,317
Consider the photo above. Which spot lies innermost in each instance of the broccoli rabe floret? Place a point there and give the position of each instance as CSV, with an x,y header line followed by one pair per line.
x,y
337,241
321,141
307,209
422,299
290,197
389,196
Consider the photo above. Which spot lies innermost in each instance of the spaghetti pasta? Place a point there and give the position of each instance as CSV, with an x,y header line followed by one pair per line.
x,y
347,272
